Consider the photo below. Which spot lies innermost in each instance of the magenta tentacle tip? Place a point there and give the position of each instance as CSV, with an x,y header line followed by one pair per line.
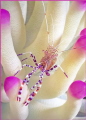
x,y
10,83
83,32
82,5
78,89
5,16
81,42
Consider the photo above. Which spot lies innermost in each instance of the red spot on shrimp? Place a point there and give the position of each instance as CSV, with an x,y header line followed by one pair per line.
x,y
38,88
33,94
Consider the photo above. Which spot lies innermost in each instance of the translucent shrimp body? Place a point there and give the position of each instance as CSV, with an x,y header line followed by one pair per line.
x,y
49,59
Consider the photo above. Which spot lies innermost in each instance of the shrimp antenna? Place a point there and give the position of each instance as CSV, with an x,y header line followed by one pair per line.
x,y
63,41
46,22
72,49
53,29
76,37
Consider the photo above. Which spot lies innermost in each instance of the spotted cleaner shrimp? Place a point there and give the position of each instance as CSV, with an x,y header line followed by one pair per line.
x,y
47,64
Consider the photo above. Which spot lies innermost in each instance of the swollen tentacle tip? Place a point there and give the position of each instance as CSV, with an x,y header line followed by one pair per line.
x,y
83,32
5,17
11,86
78,89
82,5
81,42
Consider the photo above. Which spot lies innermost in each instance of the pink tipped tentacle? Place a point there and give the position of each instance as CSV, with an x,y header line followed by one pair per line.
x,y
83,32
80,43
78,89
81,4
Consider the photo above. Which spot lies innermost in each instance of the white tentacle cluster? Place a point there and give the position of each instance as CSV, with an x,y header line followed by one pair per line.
x,y
33,26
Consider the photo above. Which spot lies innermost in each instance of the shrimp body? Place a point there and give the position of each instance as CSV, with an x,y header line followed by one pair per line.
x,y
49,59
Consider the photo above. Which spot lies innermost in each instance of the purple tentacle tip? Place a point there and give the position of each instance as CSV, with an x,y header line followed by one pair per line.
x,y
5,16
83,32
10,82
82,5
81,42
78,89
